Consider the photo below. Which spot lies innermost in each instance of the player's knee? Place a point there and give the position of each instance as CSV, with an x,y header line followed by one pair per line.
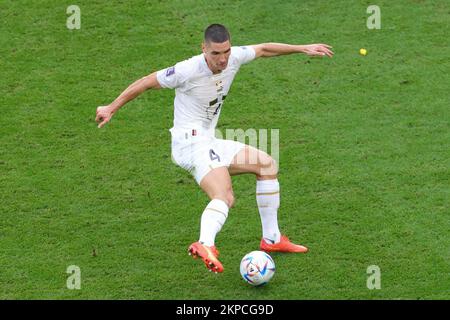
x,y
268,165
230,200
227,197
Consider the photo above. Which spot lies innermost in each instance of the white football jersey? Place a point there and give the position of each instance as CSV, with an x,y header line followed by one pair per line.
x,y
199,94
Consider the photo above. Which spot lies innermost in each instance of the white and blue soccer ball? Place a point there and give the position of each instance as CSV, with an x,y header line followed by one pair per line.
x,y
257,268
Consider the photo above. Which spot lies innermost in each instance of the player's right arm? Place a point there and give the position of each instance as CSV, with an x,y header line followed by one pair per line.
x,y
105,113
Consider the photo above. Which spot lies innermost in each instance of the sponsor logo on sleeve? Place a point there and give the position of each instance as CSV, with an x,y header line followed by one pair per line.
x,y
170,71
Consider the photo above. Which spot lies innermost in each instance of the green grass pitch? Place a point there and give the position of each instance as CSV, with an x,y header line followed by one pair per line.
x,y
364,151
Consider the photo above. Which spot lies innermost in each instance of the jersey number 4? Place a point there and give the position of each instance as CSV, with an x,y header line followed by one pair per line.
x,y
217,109
213,102
213,155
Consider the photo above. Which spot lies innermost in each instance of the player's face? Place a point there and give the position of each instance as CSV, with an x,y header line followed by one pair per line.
x,y
217,55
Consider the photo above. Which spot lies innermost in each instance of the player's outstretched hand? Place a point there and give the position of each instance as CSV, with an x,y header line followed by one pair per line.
x,y
318,49
103,115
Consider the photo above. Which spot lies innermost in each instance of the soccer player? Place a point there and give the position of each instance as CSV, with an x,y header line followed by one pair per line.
x,y
201,85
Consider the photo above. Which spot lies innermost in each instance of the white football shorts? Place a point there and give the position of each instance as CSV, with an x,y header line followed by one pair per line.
x,y
200,152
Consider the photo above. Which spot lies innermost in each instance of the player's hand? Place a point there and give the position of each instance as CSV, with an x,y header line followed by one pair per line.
x,y
103,115
319,49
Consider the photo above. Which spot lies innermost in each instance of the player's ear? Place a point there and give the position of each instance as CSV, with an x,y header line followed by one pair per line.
x,y
203,47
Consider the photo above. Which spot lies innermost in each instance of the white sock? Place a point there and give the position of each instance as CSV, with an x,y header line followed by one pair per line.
x,y
268,200
213,218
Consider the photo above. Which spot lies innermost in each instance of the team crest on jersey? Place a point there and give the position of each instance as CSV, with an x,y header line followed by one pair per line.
x,y
170,71
219,86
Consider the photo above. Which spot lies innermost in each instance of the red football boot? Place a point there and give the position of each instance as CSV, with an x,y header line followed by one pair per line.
x,y
208,254
285,245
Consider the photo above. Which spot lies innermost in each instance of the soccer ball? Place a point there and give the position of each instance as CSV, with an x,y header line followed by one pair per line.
x,y
257,268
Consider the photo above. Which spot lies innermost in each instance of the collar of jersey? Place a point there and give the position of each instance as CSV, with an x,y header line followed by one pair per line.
x,y
207,69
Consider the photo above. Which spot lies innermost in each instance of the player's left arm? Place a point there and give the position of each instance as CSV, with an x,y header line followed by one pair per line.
x,y
277,49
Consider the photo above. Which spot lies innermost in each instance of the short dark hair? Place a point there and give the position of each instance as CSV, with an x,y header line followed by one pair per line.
x,y
216,33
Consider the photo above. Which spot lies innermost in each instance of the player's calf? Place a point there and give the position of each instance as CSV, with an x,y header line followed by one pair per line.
x,y
217,185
